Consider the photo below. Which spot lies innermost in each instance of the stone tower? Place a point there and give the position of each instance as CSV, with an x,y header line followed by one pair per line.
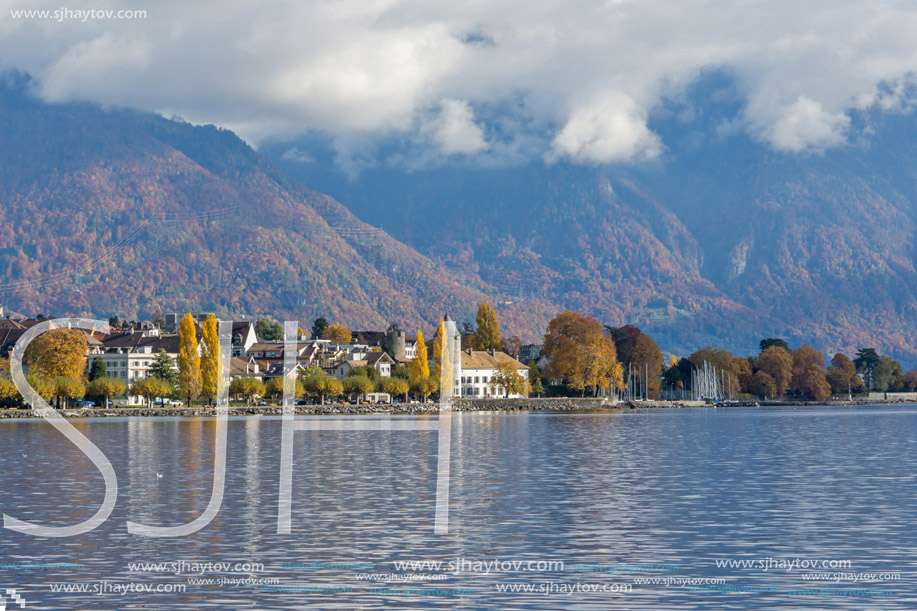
x,y
394,344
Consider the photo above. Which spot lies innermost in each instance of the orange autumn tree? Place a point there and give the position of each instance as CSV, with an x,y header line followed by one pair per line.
x,y
808,377
842,374
59,353
581,353
777,362
338,334
646,358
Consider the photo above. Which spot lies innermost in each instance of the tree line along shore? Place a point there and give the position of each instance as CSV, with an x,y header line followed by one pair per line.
x,y
579,357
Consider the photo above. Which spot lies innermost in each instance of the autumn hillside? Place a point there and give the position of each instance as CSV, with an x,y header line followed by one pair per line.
x,y
121,212
721,240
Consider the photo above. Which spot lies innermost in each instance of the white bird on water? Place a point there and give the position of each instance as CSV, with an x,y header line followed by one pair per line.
x,y
159,476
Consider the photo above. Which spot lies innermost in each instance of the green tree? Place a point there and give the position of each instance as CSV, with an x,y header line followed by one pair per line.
x,y
887,375
318,327
624,338
425,386
316,383
97,369
67,389
151,389
766,343
420,367
395,386
248,388
274,388
367,371
106,388
164,367
162,389
535,379
402,370
269,330
322,385
487,334
678,375
865,362
358,385
211,363
189,360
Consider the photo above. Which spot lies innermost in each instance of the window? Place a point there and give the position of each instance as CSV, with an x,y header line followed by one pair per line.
x,y
476,379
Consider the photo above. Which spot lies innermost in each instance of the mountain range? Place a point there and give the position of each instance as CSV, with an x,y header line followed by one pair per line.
x,y
718,241
120,212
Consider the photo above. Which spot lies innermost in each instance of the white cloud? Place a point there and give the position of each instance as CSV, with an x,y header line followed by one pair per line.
x,y
611,130
455,131
298,156
374,69
807,126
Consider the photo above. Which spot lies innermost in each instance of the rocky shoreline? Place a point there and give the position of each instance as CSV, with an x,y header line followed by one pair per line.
x,y
462,405
328,409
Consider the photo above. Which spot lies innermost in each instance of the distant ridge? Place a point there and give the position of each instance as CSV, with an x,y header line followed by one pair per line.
x,y
120,212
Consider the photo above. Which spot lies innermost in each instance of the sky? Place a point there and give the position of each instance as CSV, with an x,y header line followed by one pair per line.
x,y
490,79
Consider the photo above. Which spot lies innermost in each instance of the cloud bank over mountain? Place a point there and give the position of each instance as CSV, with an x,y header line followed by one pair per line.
x,y
503,79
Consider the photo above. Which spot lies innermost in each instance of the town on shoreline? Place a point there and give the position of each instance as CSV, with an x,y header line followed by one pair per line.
x,y
171,362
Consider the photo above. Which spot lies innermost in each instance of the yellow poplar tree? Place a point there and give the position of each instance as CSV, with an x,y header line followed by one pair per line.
x,y
420,369
189,361
487,334
210,359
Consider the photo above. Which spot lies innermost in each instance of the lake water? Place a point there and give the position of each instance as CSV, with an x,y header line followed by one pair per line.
x,y
682,497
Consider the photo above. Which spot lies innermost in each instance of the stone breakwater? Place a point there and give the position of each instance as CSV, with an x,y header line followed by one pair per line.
x,y
460,405
463,405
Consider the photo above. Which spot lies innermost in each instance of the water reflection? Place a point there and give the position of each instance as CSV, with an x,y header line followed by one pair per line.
x,y
681,487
